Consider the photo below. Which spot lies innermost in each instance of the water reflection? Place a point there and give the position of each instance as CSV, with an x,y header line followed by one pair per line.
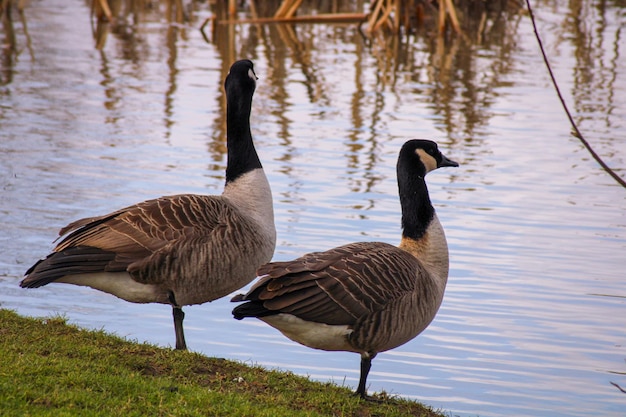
x,y
532,321
457,75
594,30
9,49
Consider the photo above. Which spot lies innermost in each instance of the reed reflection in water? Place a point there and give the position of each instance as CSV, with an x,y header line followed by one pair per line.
x,y
532,321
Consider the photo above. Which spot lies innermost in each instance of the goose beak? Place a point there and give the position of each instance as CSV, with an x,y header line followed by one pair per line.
x,y
445,162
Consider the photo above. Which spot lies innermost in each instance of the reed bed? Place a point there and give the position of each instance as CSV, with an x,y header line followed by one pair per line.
x,y
378,17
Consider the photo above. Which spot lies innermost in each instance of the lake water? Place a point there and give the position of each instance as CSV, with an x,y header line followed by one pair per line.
x,y
533,322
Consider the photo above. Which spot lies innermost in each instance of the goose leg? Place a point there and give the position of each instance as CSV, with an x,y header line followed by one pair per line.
x,y
366,364
179,316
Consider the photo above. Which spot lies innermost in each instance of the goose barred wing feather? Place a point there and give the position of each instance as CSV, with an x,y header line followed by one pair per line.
x,y
145,226
402,319
137,238
340,285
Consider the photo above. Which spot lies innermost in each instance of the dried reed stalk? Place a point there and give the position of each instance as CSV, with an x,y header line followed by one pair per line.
x,y
101,7
320,18
287,8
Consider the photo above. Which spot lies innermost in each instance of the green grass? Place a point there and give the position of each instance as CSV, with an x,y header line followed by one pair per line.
x,y
50,368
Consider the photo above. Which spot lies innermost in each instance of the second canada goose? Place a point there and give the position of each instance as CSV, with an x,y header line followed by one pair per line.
x,y
365,297
182,249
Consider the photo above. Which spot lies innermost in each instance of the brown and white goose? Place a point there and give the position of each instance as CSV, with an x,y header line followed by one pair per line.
x,y
182,249
365,297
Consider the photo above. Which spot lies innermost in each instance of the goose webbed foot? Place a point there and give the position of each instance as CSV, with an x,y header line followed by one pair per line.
x,y
369,398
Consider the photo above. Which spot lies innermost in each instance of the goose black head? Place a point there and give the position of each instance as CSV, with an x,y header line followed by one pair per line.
x,y
425,154
241,75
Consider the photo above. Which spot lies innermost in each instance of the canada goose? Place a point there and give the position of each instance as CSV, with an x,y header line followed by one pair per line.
x,y
365,297
182,249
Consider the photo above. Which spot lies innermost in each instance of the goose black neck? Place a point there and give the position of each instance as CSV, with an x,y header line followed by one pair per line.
x,y
417,210
242,156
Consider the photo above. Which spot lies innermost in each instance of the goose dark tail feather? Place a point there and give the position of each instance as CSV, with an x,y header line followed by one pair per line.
x,y
252,309
72,261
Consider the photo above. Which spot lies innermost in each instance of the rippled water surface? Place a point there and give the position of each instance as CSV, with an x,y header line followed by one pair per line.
x,y
534,318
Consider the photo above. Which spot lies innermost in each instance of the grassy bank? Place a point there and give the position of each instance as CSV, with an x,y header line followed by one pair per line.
x,y
50,368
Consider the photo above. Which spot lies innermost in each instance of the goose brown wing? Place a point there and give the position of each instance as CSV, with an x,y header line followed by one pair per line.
x,y
129,238
339,285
